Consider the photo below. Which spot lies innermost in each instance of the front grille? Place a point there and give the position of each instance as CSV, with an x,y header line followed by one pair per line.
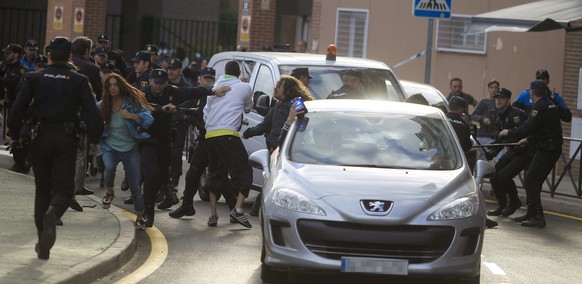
x,y
334,240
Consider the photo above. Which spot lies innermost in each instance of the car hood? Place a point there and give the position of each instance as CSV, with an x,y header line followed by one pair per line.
x,y
411,191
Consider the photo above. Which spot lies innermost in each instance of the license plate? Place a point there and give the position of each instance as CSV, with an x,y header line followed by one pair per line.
x,y
375,265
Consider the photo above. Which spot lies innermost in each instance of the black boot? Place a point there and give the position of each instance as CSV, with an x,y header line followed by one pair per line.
x,y
537,218
171,198
511,208
186,209
525,216
47,237
502,201
75,205
148,216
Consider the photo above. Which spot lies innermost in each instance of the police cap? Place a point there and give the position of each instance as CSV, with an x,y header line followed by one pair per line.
x,y
60,43
13,47
103,38
503,92
302,71
142,55
542,74
208,72
538,85
159,76
152,48
31,44
175,63
457,102
101,51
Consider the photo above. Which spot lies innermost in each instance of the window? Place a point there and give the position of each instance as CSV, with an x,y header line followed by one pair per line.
x,y
351,34
451,37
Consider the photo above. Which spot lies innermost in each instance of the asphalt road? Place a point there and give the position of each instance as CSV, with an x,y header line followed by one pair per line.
x,y
230,253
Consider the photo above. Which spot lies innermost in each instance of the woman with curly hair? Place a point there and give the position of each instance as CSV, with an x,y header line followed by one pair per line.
x,y
126,113
286,89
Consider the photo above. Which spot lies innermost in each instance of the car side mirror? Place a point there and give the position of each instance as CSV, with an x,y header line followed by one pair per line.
x,y
262,104
260,159
483,170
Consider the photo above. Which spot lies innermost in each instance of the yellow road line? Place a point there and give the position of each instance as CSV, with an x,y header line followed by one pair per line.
x,y
157,256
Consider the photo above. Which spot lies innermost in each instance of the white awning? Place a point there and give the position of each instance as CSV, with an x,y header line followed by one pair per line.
x,y
544,15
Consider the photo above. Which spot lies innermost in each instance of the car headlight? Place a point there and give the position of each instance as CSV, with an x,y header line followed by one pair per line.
x,y
463,207
291,200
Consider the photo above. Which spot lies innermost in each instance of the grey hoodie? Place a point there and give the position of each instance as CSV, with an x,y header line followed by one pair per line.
x,y
226,112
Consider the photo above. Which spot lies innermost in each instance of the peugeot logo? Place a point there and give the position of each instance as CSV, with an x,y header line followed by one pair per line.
x,y
376,207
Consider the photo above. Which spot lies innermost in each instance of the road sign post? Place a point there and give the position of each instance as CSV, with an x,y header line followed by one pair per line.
x,y
440,9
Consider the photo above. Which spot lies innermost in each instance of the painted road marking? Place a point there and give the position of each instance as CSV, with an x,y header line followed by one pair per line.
x,y
157,255
495,269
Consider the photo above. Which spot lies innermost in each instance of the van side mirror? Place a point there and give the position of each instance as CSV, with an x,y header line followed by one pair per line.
x,y
262,103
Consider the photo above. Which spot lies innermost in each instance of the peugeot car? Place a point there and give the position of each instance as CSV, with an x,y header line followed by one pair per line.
x,y
365,186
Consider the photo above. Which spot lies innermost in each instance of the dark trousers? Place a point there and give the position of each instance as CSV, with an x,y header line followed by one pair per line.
x,y
541,165
53,161
229,152
155,163
178,150
508,167
198,164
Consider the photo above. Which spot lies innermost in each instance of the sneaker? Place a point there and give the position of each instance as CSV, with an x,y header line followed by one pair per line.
x,y
140,224
233,220
212,221
107,201
240,218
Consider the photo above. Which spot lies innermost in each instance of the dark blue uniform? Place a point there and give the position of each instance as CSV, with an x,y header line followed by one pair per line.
x,y
544,132
59,94
156,151
509,165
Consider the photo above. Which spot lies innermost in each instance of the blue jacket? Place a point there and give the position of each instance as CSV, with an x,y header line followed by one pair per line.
x,y
135,128
525,103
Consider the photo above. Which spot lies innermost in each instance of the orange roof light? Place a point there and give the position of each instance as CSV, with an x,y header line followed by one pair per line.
x,y
331,51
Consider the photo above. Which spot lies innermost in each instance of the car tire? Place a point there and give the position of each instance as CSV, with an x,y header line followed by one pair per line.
x,y
269,275
202,190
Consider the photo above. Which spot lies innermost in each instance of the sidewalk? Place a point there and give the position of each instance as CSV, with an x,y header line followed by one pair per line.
x,y
91,244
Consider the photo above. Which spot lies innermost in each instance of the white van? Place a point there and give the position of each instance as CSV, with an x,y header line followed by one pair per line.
x,y
263,70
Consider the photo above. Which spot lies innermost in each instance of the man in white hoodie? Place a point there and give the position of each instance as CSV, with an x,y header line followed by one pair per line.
x,y
223,117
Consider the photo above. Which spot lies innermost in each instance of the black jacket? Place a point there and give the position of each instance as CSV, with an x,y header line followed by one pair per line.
x,y
59,94
461,129
543,125
271,124
89,69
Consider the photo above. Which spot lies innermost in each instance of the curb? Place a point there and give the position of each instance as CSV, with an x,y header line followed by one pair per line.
x,y
111,259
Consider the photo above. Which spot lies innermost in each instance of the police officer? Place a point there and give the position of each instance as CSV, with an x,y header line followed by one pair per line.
x,y
198,159
142,70
351,88
57,94
30,55
154,56
513,161
457,107
113,57
180,123
10,76
543,131
156,150
525,102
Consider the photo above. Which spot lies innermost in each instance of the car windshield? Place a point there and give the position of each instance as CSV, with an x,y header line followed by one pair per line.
x,y
364,139
378,84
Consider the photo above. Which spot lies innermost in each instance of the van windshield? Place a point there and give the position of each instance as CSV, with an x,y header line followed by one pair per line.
x,y
377,84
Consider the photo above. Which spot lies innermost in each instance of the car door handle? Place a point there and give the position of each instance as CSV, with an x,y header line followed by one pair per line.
x,y
245,121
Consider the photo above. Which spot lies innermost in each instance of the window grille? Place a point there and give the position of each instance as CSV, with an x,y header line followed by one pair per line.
x,y
351,35
451,37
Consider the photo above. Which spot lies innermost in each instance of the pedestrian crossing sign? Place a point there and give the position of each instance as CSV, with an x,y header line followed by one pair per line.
x,y
440,9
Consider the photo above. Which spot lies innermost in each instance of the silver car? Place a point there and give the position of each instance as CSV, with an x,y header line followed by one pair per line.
x,y
370,187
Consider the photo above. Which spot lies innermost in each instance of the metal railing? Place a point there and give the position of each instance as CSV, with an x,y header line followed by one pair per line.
x,y
20,25
553,183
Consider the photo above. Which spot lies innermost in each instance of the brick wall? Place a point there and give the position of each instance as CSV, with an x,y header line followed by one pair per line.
x,y
95,14
572,65
313,40
262,29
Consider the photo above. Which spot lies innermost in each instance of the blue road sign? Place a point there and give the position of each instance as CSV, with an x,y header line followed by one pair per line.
x,y
440,9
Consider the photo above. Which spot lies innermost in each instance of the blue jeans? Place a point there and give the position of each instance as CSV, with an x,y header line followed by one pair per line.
x,y
131,165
